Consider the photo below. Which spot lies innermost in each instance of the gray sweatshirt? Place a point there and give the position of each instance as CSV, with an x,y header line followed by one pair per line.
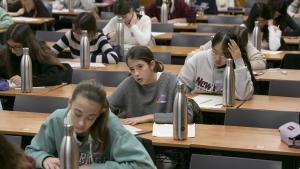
x,y
201,76
133,100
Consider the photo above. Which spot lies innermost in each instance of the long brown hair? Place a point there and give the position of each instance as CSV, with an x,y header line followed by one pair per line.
x,y
95,92
22,33
144,53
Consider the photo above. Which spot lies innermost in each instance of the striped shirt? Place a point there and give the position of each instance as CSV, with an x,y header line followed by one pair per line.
x,y
100,49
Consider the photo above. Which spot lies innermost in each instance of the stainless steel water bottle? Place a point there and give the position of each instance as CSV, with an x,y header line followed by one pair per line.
x,y
68,149
257,36
229,84
164,12
119,43
142,10
4,5
180,126
71,5
84,50
26,72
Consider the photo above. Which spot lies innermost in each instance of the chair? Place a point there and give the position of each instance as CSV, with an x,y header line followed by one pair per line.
x,y
161,27
106,78
290,61
189,40
163,57
212,28
223,162
284,88
259,118
107,15
49,36
101,25
225,19
40,104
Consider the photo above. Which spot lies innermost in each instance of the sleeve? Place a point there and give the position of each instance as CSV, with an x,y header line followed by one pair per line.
x,y
188,72
111,26
152,11
143,35
256,58
293,8
108,54
62,43
126,153
5,19
88,4
167,118
295,28
274,37
117,99
243,84
42,10
43,144
50,75
189,13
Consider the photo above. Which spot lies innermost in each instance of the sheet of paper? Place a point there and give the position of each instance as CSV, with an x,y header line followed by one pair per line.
x,y
270,52
132,130
181,24
208,101
77,64
21,19
157,33
166,130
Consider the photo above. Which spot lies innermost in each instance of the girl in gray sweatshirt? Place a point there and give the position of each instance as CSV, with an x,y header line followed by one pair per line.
x,y
204,71
148,94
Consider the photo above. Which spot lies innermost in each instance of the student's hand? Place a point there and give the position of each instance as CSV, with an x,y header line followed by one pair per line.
x,y
51,163
20,12
154,20
112,36
134,20
270,22
138,120
84,167
234,50
60,6
16,80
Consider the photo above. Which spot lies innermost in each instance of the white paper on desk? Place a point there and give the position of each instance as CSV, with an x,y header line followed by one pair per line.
x,y
181,24
270,52
77,64
22,19
132,130
208,101
157,33
166,130
67,10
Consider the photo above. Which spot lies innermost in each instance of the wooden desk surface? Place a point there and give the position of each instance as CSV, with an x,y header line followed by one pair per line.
x,y
241,139
204,18
180,51
279,74
21,123
292,40
67,90
31,20
3,30
35,91
103,4
273,103
279,56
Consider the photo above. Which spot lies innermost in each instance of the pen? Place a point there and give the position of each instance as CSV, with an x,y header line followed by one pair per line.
x,y
144,132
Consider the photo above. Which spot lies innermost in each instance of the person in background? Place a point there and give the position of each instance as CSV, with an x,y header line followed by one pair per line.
x,y
294,9
12,157
208,6
281,19
256,58
137,28
5,19
46,69
204,72
179,11
148,94
88,5
32,8
101,50
102,140
271,33
224,4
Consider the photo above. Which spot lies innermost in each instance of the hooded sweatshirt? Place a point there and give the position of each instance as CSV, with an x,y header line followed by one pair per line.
x,y
201,76
124,151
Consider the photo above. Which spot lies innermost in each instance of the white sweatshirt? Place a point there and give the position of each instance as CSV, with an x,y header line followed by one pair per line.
x,y
201,76
294,8
256,58
139,34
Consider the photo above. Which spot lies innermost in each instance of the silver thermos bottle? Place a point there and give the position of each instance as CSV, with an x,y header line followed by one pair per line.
x,y
71,5
164,12
229,84
180,126
26,72
257,36
142,10
120,37
68,149
84,50
4,5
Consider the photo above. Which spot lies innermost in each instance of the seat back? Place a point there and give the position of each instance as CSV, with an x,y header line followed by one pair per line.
x,y
106,78
259,118
101,25
48,36
40,104
225,19
189,40
162,27
284,88
213,28
223,162
163,57
107,15
290,61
